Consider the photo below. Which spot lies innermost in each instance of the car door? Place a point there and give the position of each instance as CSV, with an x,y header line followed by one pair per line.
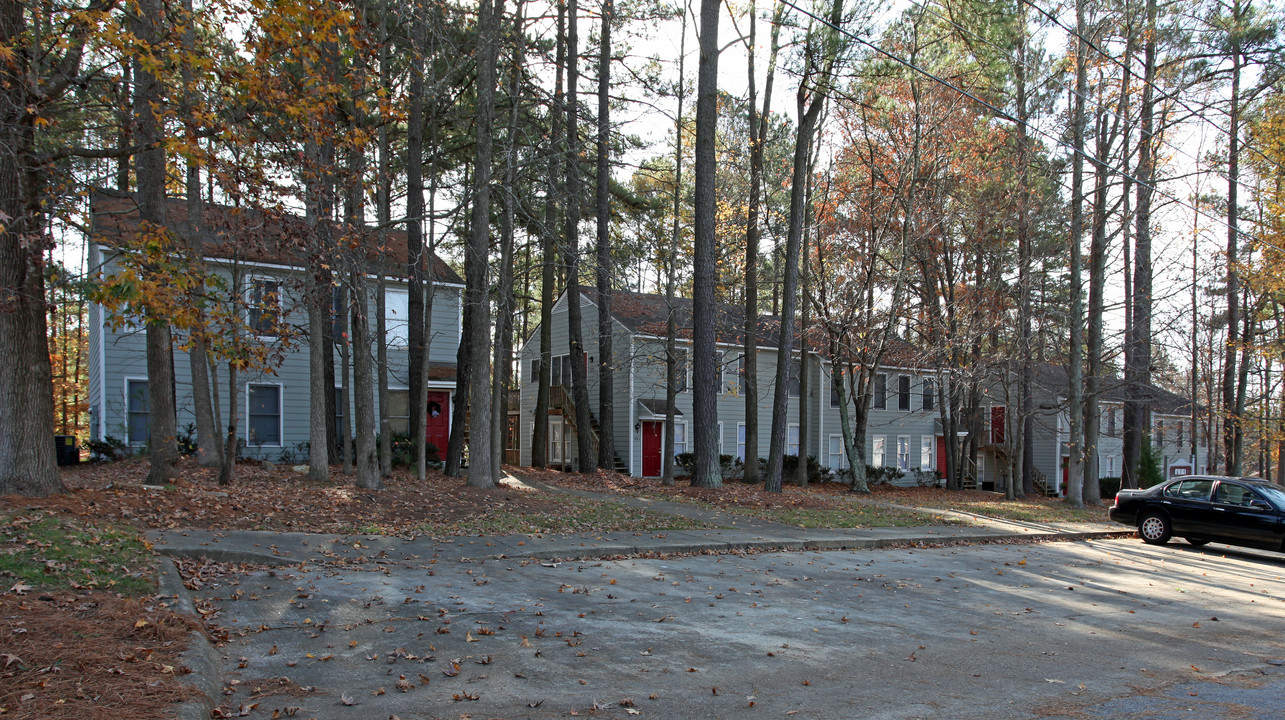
x,y
1187,502
1238,519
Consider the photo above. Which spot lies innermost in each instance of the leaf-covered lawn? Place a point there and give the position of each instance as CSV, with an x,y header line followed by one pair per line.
x,y
1030,509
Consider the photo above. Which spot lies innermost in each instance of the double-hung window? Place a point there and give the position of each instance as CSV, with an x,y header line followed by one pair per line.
x,y
265,306
903,452
264,414
680,438
138,412
880,399
929,396
396,317
903,392
877,444
793,439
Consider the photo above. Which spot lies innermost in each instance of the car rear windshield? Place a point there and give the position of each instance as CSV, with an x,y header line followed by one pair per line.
x,y
1274,494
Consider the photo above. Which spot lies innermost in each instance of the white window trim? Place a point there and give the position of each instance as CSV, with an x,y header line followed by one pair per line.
x,y
795,427
927,447
879,443
742,446
687,441
795,361
393,389
125,381
281,414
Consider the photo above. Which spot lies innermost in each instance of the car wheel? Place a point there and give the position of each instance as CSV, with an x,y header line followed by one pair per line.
x,y
1197,541
1154,528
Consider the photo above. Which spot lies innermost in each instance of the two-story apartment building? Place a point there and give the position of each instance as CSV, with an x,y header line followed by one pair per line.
x,y
273,401
904,428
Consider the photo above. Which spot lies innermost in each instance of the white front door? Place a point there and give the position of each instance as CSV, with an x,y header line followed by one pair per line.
x,y
555,440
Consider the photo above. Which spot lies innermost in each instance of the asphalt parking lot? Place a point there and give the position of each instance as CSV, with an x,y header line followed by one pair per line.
x,y
1085,629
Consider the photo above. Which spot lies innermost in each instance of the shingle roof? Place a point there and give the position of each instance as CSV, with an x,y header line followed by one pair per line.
x,y
253,234
647,314
1054,379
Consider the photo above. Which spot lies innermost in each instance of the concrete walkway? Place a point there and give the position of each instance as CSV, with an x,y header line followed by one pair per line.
x,y
735,532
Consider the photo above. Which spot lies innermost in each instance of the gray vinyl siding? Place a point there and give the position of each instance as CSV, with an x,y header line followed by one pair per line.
x,y
124,357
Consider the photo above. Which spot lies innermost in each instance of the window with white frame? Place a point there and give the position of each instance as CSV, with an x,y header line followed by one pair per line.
x,y
903,392
836,377
926,443
560,371
1111,421
903,452
399,412
264,415
680,438
877,444
793,441
838,458
396,317
928,396
730,375
740,441
137,412
880,399
796,377
264,312
682,370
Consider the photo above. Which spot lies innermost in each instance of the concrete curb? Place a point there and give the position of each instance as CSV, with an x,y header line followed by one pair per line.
x,y
200,658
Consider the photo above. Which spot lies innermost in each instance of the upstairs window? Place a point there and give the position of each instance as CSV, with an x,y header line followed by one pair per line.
x,y
929,395
396,317
903,392
265,307
880,399
796,375
682,370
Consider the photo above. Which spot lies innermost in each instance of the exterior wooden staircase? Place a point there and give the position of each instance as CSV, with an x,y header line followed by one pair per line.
x,y
560,403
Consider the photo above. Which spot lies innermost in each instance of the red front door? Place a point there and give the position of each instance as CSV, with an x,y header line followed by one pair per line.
x,y
651,432
941,455
437,424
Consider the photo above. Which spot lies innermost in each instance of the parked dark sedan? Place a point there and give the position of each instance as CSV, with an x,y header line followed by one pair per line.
x,y
1204,508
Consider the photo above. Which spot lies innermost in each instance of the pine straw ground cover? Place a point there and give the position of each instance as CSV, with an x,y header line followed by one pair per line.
x,y
829,504
80,636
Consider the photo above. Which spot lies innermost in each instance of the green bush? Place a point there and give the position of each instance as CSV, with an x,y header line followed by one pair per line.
x,y
881,475
1108,487
1149,472
816,472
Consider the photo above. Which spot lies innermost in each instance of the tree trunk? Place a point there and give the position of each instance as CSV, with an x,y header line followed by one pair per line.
x,y
504,323
1232,422
705,388
1138,367
363,383
585,457
477,315
671,330
606,385
758,125
27,455
1075,370
150,173
549,245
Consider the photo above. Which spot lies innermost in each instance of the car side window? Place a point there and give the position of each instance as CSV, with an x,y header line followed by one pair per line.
x,y
1232,494
1190,489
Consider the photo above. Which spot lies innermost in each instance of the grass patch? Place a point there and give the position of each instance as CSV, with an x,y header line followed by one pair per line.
x,y
857,515
1027,510
56,552
582,516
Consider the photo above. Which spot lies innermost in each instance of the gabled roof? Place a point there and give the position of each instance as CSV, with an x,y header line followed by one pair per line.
x,y
253,235
1054,379
647,314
